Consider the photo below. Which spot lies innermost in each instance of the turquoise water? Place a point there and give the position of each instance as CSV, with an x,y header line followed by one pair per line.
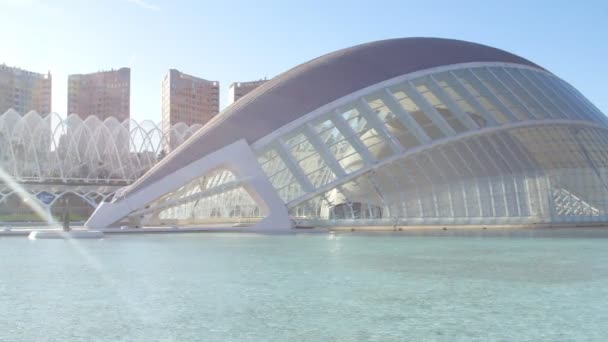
x,y
442,286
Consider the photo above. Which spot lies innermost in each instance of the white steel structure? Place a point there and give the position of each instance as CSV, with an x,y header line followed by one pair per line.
x,y
415,131
52,157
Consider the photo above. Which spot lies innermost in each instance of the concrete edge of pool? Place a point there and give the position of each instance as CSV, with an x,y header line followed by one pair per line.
x,y
9,230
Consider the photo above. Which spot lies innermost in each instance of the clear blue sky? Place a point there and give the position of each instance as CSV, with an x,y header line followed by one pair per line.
x,y
244,40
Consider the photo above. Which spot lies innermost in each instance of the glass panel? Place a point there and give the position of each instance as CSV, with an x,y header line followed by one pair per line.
x,y
511,194
485,197
444,201
498,197
490,148
339,146
469,152
445,82
279,175
235,203
468,80
472,198
309,160
458,199
395,127
542,82
582,110
315,208
291,191
421,118
294,139
452,153
348,158
503,94
540,96
368,135
441,108
586,105
521,94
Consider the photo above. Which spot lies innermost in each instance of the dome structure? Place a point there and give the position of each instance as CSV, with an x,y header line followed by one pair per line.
x,y
402,131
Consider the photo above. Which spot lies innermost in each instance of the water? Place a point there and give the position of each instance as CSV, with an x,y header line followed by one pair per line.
x,y
444,286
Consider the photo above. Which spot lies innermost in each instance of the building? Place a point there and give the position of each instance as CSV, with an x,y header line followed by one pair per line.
x,y
87,162
24,91
102,94
413,131
240,89
188,99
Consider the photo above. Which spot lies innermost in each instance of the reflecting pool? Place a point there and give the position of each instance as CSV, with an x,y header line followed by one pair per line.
x,y
549,285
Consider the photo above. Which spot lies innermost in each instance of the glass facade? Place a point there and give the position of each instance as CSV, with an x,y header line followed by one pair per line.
x,y
215,196
489,144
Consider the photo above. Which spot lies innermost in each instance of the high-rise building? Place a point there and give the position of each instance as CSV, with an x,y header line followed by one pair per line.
x,y
188,99
24,90
103,94
240,89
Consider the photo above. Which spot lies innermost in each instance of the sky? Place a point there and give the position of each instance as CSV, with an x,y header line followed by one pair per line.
x,y
240,40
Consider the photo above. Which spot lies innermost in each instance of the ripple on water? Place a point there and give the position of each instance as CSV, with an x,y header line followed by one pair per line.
x,y
361,287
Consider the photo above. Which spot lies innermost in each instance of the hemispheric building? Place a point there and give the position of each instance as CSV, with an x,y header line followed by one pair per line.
x,y
412,131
